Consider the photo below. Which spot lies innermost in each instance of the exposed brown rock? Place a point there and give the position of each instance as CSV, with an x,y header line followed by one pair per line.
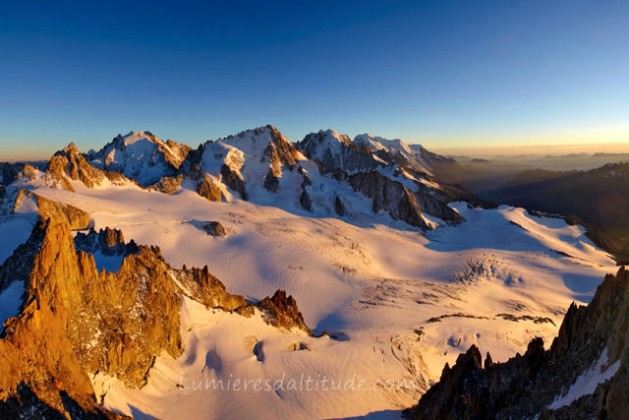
x,y
215,229
75,217
168,184
76,320
70,163
57,173
112,237
209,188
107,241
19,265
280,150
282,311
174,153
26,404
116,177
29,172
279,153
208,290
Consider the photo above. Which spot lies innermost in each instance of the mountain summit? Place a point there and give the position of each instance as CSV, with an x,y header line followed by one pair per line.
x,y
130,275
325,173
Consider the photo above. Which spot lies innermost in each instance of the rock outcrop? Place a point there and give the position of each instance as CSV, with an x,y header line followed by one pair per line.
x,y
281,311
272,181
234,180
209,188
76,320
20,264
207,289
390,196
107,241
76,218
390,162
9,172
527,385
168,184
280,151
305,200
214,229
70,164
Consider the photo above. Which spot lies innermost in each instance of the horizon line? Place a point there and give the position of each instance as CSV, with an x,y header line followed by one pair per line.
x,y
471,151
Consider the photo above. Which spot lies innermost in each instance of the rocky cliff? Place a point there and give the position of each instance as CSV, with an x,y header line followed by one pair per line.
x,y
281,311
77,320
69,163
337,155
390,196
592,346
396,176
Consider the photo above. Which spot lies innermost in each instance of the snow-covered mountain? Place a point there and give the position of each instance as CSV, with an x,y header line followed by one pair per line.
x,y
324,174
141,156
392,274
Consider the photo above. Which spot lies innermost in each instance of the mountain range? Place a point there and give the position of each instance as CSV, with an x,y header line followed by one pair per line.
x,y
594,198
133,276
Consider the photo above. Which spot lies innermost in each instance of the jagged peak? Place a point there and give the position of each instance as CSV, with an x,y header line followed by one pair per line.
x,y
329,135
267,133
325,142
376,143
134,136
71,149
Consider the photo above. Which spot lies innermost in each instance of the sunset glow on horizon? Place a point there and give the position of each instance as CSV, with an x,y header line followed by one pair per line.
x,y
450,75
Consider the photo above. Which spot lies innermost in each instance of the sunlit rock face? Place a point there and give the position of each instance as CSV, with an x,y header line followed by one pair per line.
x,y
76,320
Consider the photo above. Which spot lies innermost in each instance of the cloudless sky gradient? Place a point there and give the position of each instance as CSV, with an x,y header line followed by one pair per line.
x,y
444,73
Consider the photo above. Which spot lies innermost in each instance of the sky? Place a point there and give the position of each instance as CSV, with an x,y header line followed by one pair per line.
x,y
447,74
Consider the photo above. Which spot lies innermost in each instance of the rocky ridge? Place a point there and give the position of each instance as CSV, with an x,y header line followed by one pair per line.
x,y
69,163
76,320
527,385
395,176
141,156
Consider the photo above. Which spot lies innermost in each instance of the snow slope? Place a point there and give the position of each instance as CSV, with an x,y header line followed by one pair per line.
x,y
11,301
401,303
586,384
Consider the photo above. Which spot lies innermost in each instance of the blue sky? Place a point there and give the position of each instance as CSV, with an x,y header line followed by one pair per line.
x,y
446,74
